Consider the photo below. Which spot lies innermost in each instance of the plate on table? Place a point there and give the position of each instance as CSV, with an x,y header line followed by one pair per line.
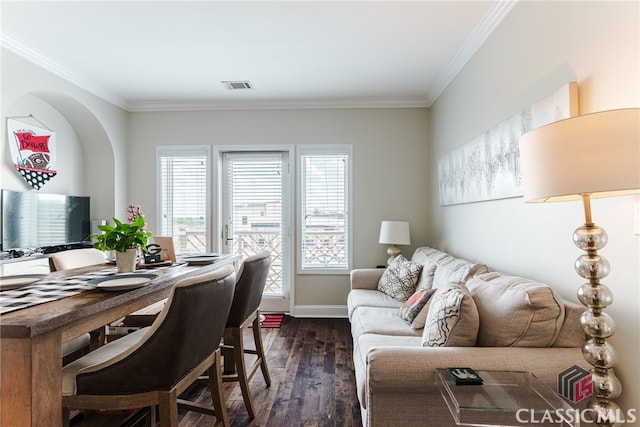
x,y
18,281
122,282
201,259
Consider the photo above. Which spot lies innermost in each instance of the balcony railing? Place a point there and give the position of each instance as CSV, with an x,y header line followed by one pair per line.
x,y
322,249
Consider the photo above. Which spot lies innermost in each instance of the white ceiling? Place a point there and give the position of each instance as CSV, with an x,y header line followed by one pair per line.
x,y
162,55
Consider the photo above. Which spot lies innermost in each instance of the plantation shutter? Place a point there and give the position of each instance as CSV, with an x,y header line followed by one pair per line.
x,y
183,198
324,206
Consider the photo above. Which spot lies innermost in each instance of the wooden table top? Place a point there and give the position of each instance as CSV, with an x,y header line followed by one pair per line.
x,y
70,313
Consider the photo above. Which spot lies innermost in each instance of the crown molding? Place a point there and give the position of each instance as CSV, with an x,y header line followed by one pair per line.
x,y
283,104
20,49
484,29
488,24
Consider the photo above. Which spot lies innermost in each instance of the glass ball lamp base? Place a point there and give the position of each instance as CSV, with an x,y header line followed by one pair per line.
x,y
393,251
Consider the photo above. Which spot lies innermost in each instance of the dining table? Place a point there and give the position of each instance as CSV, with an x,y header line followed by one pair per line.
x,y
31,338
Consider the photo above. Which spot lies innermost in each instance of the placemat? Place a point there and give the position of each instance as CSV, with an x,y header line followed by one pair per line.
x,y
47,290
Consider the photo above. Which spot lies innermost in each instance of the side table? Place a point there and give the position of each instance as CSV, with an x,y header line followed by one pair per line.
x,y
506,398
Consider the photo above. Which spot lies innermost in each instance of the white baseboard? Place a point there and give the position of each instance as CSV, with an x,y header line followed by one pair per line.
x,y
337,311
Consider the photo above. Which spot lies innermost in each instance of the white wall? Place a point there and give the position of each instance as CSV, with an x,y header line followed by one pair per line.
x,y
389,157
90,134
539,47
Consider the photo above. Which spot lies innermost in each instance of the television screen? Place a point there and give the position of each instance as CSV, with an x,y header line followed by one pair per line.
x,y
37,220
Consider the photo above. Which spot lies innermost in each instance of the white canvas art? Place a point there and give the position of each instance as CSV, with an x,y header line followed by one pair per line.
x,y
488,166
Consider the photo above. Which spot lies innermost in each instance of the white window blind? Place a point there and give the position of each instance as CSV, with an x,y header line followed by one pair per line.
x,y
183,197
255,211
254,186
324,207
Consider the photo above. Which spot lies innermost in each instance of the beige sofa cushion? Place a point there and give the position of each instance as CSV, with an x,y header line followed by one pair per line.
x,y
429,258
452,320
369,298
453,270
515,311
571,334
380,320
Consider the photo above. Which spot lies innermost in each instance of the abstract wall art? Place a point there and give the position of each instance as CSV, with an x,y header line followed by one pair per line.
x,y
488,166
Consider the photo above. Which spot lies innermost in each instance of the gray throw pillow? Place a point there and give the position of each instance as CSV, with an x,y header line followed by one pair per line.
x,y
400,278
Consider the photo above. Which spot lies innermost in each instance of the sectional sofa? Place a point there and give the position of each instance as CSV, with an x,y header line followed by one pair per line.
x,y
499,322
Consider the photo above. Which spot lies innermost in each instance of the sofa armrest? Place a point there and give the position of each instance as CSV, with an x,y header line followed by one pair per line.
x,y
366,278
406,377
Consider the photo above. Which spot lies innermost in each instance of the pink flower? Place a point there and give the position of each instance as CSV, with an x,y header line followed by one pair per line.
x,y
134,211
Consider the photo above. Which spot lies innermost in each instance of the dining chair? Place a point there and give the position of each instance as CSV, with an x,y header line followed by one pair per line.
x,y
245,313
153,366
76,258
65,260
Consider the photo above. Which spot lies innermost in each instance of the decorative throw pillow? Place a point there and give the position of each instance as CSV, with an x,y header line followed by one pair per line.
x,y
412,310
400,278
452,320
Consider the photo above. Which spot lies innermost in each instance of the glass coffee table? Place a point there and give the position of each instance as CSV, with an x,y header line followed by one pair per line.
x,y
506,398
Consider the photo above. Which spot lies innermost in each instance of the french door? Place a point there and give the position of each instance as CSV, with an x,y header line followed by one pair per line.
x,y
255,215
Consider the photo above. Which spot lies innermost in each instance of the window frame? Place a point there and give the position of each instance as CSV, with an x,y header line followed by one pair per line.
x,y
186,151
324,149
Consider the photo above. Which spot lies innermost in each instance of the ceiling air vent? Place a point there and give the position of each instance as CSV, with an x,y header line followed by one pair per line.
x,y
237,85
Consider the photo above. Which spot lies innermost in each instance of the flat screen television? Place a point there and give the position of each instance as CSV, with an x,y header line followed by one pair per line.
x,y
40,220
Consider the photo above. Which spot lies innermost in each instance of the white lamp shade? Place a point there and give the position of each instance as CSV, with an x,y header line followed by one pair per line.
x,y
394,233
596,154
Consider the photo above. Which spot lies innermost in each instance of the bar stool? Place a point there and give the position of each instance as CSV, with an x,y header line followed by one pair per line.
x,y
245,312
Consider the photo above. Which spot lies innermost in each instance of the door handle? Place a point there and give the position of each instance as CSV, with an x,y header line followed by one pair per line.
x,y
226,234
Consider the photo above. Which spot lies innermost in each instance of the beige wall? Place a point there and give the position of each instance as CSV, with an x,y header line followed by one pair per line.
x,y
539,47
389,154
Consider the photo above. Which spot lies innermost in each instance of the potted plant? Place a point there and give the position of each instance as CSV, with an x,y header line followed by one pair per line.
x,y
125,239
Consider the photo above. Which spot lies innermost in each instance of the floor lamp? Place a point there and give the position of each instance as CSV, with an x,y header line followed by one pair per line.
x,y
581,158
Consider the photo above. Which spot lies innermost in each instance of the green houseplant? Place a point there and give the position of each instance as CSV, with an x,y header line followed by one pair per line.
x,y
125,239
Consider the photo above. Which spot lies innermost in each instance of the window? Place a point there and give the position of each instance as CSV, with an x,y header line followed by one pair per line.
x,y
324,196
183,197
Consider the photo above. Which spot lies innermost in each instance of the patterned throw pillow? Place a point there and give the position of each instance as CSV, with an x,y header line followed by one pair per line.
x,y
452,320
415,309
400,278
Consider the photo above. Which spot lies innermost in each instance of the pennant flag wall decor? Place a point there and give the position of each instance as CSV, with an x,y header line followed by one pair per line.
x,y
33,150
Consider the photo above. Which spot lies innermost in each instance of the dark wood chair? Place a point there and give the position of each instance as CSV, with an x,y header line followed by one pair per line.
x,y
245,312
153,366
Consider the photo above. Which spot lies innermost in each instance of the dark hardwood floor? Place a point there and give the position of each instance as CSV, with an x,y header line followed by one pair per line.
x,y
312,380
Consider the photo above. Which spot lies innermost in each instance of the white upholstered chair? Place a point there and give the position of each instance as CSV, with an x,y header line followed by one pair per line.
x,y
66,260
76,258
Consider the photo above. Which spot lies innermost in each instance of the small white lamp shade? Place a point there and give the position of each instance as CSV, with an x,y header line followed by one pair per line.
x,y
394,233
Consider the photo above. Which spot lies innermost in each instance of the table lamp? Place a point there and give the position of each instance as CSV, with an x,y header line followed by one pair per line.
x,y
394,233
582,158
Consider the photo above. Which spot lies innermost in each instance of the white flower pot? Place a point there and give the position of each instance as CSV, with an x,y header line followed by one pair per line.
x,y
126,261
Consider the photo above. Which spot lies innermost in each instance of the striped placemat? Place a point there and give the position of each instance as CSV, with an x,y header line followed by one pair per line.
x,y
47,290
